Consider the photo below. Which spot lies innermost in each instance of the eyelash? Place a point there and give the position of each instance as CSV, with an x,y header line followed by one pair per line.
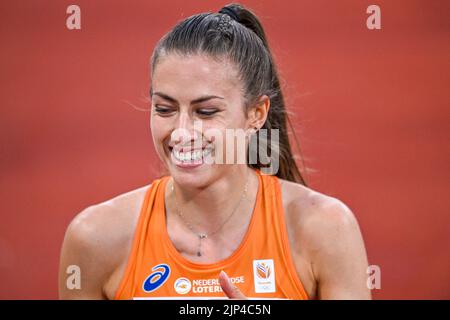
x,y
163,111
166,111
207,113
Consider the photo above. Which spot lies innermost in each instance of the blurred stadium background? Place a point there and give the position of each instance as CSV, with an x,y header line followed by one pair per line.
x,y
371,109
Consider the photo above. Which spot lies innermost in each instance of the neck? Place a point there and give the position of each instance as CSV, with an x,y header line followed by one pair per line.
x,y
206,208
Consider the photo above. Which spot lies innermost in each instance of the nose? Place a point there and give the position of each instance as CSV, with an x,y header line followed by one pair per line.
x,y
185,130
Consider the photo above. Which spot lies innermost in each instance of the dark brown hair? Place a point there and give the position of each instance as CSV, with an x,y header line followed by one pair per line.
x,y
236,33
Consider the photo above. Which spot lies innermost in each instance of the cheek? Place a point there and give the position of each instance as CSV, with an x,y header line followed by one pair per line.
x,y
237,118
232,143
159,130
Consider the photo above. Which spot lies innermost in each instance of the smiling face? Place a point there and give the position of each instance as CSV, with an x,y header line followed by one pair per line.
x,y
194,98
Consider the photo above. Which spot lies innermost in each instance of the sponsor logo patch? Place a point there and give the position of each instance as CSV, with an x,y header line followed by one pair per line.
x,y
160,273
264,275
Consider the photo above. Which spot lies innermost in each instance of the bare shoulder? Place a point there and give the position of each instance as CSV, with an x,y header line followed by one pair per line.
x,y
325,241
109,222
98,239
315,215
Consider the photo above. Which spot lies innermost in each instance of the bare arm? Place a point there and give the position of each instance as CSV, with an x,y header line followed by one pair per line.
x,y
85,256
338,255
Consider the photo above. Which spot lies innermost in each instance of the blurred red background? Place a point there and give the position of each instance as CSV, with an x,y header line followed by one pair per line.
x,y
371,111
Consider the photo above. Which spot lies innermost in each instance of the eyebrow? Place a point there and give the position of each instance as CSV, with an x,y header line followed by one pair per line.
x,y
198,100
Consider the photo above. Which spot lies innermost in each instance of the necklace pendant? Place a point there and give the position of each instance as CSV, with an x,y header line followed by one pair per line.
x,y
202,236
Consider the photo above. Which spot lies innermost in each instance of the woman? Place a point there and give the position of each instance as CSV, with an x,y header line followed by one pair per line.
x,y
212,228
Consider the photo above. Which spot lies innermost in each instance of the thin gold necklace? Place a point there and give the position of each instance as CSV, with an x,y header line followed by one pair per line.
x,y
203,235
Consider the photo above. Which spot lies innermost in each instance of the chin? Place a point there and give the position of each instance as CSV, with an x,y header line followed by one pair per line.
x,y
195,178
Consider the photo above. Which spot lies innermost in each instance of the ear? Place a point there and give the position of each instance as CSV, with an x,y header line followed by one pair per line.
x,y
257,114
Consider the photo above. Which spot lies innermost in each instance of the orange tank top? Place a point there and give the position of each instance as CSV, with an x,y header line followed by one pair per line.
x,y
261,267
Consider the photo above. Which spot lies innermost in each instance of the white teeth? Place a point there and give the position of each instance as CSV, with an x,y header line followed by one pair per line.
x,y
191,155
206,152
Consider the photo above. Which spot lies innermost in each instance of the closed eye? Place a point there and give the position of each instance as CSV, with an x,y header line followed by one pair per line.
x,y
163,110
207,112
168,111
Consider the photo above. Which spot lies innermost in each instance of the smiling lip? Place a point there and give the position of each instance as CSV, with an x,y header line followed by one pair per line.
x,y
188,163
